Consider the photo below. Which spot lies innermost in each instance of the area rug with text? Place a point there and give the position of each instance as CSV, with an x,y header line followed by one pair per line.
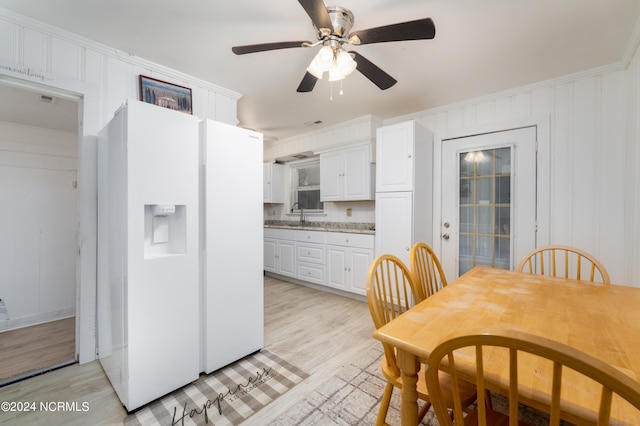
x,y
225,397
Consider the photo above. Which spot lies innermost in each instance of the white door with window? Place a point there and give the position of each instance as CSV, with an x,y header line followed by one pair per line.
x,y
488,200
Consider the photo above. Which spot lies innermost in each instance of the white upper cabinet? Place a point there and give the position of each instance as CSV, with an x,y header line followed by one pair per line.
x,y
395,157
273,181
347,174
330,176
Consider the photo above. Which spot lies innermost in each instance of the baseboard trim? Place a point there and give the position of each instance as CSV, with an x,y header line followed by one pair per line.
x,y
12,324
318,287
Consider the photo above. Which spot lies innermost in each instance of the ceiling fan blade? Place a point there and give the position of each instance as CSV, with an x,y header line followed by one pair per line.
x,y
373,72
420,29
317,11
308,83
253,48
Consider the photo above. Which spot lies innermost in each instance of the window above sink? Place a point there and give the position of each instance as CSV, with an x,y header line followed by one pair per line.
x,y
305,186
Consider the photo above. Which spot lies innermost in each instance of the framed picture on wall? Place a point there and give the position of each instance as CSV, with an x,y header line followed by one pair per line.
x,y
166,95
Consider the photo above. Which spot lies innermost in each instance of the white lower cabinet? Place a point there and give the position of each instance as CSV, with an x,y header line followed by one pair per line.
x,y
348,260
270,255
286,258
335,259
396,231
311,256
280,251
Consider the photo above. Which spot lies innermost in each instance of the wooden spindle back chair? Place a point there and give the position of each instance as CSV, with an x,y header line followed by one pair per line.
x,y
426,269
609,379
564,261
391,291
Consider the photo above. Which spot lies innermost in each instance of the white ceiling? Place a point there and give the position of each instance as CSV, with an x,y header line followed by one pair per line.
x,y
480,47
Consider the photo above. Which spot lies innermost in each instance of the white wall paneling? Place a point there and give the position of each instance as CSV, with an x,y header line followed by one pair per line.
x,y
6,40
37,224
632,173
590,178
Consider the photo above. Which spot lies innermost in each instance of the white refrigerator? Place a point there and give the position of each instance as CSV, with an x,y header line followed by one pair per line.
x,y
148,251
180,285
233,302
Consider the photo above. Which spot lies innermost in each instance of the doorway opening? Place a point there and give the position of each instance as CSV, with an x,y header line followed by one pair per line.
x,y
38,185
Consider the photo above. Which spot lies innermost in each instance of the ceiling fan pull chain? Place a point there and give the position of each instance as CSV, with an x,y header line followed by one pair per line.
x,y
331,91
341,92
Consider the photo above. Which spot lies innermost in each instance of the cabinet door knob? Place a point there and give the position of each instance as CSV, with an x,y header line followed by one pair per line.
x,y
408,155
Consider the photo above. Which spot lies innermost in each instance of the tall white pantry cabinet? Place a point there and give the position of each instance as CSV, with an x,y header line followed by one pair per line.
x,y
171,278
404,188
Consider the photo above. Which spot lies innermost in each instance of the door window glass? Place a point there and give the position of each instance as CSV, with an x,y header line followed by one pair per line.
x,y
485,209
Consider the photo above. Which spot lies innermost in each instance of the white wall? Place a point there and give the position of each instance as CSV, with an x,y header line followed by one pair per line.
x,y
38,168
102,78
632,174
593,200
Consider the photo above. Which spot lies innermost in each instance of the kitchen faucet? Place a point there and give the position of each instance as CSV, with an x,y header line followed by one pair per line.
x,y
301,212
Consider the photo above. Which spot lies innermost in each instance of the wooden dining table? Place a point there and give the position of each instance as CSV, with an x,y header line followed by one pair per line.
x,y
600,320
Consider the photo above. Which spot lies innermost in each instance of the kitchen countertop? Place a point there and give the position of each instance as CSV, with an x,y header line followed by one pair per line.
x,y
366,228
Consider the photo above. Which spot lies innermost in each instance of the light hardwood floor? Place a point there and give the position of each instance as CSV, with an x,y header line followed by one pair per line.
x,y
314,330
36,348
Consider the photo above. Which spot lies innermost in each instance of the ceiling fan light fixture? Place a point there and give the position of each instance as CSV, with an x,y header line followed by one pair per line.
x,y
335,74
314,70
323,61
345,63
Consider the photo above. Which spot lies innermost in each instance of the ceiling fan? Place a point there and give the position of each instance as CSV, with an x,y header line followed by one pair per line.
x,y
333,25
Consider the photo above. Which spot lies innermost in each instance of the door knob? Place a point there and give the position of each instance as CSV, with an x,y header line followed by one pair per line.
x,y
445,237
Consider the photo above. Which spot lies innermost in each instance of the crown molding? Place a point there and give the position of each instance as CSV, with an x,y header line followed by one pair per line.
x,y
632,45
